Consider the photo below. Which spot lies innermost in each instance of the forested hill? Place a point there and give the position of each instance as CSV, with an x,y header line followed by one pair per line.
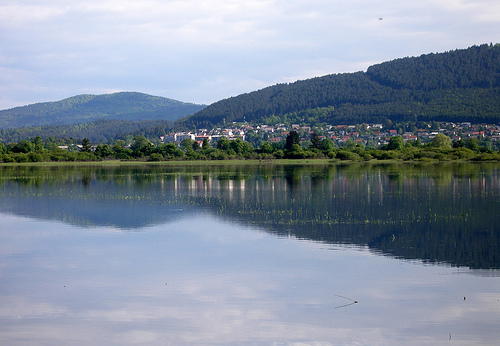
x,y
131,106
460,85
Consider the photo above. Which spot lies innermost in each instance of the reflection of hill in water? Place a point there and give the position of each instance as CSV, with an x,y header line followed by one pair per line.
x,y
90,208
434,213
441,216
92,197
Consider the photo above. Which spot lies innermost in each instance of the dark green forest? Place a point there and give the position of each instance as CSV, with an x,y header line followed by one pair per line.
x,y
130,106
460,85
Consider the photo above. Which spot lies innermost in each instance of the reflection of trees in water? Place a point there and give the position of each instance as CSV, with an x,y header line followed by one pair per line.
x,y
444,213
414,214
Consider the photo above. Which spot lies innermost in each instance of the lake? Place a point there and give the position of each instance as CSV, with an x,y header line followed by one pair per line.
x,y
258,254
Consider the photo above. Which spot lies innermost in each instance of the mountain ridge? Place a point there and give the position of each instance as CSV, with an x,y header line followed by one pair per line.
x,y
455,86
130,106
459,85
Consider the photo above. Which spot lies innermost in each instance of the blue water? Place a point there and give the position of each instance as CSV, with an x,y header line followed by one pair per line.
x,y
202,275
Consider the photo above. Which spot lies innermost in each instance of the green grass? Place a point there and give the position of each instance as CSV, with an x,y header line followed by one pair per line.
x,y
275,162
177,163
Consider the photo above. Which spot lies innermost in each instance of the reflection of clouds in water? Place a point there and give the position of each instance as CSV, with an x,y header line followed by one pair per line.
x,y
217,322
201,280
220,231
472,310
21,307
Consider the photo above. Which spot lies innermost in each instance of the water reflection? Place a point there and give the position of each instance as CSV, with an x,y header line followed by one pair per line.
x,y
202,281
223,255
436,213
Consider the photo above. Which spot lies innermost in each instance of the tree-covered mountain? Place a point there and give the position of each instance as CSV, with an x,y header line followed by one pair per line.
x,y
460,85
129,106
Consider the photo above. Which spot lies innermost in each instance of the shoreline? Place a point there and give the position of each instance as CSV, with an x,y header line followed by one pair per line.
x,y
277,162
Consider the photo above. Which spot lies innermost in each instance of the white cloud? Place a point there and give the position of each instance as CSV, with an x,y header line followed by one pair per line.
x,y
184,47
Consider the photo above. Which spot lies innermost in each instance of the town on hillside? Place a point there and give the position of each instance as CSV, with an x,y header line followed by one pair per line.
x,y
369,135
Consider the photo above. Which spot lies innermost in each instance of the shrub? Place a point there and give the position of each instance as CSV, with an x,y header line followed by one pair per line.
x,y
265,156
279,154
7,158
347,155
155,157
486,157
462,153
21,158
385,155
33,157
440,157
367,157
84,156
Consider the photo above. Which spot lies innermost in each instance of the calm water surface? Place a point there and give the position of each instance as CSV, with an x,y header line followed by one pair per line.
x,y
163,255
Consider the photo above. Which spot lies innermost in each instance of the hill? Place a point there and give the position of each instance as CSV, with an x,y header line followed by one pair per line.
x,y
460,85
129,106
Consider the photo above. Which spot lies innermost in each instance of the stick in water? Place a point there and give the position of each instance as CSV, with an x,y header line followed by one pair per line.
x,y
352,300
343,306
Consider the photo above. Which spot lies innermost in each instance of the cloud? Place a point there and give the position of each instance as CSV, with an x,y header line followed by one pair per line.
x,y
203,51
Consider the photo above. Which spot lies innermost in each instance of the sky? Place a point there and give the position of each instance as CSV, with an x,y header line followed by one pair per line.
x,y
204,51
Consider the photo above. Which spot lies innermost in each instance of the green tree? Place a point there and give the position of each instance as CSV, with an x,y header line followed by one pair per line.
x,y
223,144
119,143
459,143
295,152
140,142
205,144
327,145
292,138
155,157
169,150
315,141
395,143
120,152
349,144
37,144
187,143
241,147
142,146
23,146
86,146
103,151
266,148
441,140
472,143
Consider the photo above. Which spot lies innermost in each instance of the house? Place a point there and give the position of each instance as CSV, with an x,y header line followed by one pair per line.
x,y
182,136
172,137
202,138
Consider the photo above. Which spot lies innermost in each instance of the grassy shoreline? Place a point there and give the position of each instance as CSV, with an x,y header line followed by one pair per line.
x,y
175,163
277,162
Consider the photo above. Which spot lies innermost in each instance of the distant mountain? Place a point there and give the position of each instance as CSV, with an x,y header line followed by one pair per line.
x,y
460,85
130,106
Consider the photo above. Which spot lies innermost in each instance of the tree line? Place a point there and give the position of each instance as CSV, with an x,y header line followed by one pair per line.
x,y
440,149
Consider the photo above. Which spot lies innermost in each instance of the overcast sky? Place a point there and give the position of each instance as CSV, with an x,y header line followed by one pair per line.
x,y
203,51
